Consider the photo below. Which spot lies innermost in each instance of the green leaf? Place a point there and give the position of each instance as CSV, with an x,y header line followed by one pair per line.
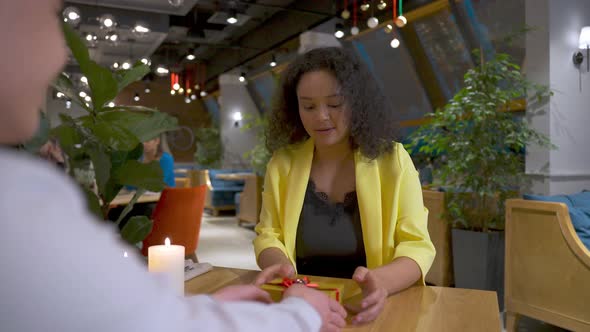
x,y
112,189
134,74
113,135
129,206
93,203
147,176
102,167
41,135
76,45
68,137
137,229
144,125
64,85
103,85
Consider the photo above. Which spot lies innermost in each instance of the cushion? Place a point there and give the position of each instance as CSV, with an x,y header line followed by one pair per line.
x,y
581,199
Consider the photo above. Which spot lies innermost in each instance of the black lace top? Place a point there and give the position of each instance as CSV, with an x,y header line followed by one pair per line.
x,y
329,236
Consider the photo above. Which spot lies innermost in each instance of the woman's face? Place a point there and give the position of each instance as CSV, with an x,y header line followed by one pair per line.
x,y
33,54
151,146
322,108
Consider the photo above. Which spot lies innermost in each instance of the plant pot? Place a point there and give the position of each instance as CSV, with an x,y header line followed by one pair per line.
x,y
478,260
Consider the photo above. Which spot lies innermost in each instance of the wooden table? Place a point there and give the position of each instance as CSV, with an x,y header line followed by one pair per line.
x,y
125,198
233,176
416,309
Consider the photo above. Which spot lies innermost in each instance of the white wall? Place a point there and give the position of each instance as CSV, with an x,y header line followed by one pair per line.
x,y
566,116
234,97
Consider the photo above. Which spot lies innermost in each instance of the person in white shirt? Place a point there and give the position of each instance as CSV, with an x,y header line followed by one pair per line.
x,y
62,270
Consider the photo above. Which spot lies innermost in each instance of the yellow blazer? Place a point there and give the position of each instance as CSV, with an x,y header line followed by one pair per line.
x,y
393,216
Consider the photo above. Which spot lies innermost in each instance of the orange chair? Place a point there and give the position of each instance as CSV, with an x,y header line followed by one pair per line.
x,y
178,217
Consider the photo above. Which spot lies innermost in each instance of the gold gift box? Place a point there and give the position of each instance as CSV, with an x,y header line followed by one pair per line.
x,y
276,287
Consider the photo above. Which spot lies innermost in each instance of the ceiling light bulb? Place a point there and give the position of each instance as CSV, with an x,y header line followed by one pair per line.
x,y
273,63
126,65
136,98
394,43
176,86
189,91
197,86
173,92
89,37
140,29
181,91
354,31
162,70
232,17
372,22
176,3
147,90
187,100
111,104
388,28
146,61
401,21
339,33
203,93
237,116
381,5
88,99
72,15
365,6
82,94
84,80
59,94
345,14
194,97
107,21
115,65
190,57
242,77
68,104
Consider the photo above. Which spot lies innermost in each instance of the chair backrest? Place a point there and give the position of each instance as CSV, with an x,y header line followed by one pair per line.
x,y
182,182
177,216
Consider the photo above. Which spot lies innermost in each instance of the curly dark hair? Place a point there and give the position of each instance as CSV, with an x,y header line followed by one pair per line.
x,y
372,125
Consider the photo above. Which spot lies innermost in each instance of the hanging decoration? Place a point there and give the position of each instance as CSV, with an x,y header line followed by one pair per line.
x,y
345,13
354,30
372,22
174,83
399,18
365,6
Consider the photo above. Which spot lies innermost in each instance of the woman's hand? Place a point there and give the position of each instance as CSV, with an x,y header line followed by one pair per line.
x,y
332,313
273,272
374,296
242,293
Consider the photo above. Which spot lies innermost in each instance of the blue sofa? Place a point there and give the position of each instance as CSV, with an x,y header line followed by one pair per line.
x,y
222,193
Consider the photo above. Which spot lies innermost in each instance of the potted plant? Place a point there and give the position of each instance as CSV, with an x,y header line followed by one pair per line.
x,y
259,156
480,150
109,137
209,147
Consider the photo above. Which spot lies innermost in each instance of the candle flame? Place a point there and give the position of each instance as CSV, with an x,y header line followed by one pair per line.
x,y
167,242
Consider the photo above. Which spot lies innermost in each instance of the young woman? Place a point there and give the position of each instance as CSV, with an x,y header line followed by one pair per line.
x,y
62,270
341,198
153,150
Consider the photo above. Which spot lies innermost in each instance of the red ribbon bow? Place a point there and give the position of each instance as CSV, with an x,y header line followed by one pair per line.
x,y
287,282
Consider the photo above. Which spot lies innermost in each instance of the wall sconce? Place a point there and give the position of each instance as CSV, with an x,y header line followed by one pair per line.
x,y
584,43
237,116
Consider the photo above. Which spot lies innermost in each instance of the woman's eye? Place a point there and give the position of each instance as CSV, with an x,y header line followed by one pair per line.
x,y
308,107
335,105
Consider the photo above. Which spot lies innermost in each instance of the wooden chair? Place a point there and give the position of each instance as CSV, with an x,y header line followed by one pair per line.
x,y
251,200
178,216
441,271
182,182
547,275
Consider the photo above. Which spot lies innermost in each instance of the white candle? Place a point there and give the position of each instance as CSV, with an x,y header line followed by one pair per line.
x,y
168,260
